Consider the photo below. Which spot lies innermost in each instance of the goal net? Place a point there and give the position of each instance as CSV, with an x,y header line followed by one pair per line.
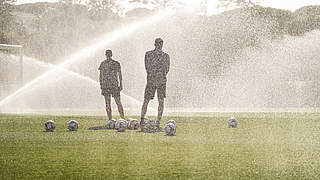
x,y
11,68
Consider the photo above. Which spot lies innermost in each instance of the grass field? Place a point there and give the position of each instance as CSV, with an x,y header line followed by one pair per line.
x,y
264,146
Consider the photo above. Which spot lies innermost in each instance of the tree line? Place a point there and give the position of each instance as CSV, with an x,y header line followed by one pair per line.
x,y
49,31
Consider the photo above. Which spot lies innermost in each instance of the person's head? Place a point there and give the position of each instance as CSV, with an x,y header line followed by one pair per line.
x,y
158,43
108,53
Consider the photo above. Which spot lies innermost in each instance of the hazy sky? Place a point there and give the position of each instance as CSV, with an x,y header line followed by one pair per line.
x,y
282,4
289,4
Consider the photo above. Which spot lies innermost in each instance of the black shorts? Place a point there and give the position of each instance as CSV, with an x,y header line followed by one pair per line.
x,y
151,88
115,92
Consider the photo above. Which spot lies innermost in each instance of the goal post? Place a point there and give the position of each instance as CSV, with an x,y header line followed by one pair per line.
x,y
20,51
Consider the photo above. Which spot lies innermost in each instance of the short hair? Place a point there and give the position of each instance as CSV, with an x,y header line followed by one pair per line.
x,y
108,53
158,41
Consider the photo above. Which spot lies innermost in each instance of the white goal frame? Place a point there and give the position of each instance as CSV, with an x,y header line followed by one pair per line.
x,y
20,51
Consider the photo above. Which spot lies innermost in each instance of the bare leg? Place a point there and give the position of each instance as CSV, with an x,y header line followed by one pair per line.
x,y
120,107
160,110
143,112
144,108
108,106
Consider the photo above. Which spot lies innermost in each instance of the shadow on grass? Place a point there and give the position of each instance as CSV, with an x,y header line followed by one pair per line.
x,y
97,128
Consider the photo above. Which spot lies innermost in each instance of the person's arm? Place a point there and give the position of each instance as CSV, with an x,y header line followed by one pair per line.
x,y
167,64
100,78
101,75
146,62
120,79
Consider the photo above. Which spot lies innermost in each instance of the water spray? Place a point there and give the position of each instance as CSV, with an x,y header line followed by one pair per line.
x,y
89,79
105,40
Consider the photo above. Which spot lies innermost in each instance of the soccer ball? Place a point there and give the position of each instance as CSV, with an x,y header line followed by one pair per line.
x,y
170,129
111,124
121,125
49,126
149,125
172,121
73,125
232,122
133,124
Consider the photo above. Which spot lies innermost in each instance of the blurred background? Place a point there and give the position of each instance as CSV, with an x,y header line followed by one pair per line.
x,y
224,53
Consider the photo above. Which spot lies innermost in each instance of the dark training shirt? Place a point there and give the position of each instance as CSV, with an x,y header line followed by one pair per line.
x,y
157,65
109,74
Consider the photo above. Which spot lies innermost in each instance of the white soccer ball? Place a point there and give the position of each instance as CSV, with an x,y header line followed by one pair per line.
x,y
149,125
121,125
111,124
172,121
170,129
133,124
49,126
232,122
73,125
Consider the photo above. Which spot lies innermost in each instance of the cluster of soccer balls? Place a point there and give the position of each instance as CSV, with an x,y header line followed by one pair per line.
x,y
150,125
121,125
72,125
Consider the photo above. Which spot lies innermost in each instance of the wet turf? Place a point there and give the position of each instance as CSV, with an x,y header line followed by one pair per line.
x,y
264,146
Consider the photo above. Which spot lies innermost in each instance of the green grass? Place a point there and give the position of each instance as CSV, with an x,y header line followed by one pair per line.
x,y
264,146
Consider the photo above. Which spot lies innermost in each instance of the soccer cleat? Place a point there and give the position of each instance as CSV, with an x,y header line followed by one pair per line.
x,y
142,124
159,129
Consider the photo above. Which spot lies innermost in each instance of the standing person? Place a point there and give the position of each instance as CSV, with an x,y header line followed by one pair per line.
x,y
157,65
110,72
